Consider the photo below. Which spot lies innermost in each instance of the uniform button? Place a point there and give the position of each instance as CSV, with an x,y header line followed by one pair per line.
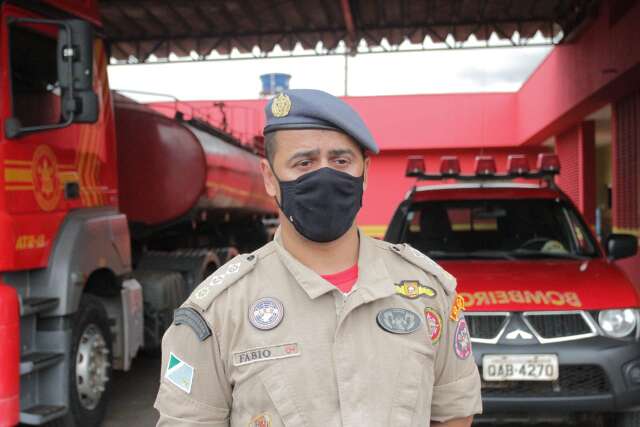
x,y
250,257
395,248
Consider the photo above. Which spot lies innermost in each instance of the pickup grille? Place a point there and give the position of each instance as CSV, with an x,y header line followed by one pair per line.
x,y
485,326
561,325
573,380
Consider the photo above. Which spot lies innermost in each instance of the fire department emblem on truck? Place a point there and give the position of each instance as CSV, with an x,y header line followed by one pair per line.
x,y
47,188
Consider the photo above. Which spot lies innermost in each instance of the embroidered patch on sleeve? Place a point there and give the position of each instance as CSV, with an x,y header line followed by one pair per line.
x,y
180,373
456,308
434,320
462,341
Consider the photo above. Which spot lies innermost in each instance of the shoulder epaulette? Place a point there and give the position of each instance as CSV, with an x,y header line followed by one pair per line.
x,y
425,263
221,279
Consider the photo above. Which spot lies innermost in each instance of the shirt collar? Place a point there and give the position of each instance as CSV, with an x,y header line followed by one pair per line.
x,y
373,277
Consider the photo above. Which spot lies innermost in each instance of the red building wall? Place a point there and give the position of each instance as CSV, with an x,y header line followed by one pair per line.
x,y
626,174
404,122
576,149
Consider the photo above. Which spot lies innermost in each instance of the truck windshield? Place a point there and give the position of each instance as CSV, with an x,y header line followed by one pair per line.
x,y
498,229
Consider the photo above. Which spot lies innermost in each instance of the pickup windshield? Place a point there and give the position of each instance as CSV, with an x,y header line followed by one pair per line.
x,y
498,229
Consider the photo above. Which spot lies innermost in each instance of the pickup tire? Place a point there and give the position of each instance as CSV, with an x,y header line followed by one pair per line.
x,y
628,419
89,366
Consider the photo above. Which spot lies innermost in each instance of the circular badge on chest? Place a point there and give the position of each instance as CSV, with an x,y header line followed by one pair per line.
x,y
266,313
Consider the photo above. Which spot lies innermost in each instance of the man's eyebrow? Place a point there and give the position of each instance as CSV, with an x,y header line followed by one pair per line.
x,y
304,154
341,151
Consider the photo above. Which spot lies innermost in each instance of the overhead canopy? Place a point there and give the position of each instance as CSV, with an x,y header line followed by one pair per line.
x,y
139,28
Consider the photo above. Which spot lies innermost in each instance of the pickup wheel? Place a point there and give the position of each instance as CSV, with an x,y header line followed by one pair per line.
x,y
628,419
89,367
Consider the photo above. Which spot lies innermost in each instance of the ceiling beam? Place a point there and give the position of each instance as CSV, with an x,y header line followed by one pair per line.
x,y
208,23
280,32
251,14
328,15
112,25
132,23
348,23
175,12
156,21
227,15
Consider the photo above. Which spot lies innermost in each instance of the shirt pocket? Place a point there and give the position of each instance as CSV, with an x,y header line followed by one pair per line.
x,y
413,390
284,397
267,393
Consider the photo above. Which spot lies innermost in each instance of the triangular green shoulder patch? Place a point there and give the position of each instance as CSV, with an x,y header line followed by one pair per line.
x,y
173,361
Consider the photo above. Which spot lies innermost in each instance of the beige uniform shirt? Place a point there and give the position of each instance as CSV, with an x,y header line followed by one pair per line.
x,y
287,348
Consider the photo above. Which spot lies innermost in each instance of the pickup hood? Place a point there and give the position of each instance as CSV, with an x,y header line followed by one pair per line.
x,y
527,285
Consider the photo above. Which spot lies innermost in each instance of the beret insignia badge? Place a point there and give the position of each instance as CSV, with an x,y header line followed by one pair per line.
x,y
281,105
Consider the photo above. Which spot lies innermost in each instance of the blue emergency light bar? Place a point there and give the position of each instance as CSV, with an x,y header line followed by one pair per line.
x,y
548,165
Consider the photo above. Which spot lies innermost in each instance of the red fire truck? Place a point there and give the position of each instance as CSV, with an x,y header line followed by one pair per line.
x,y
555,324
110,214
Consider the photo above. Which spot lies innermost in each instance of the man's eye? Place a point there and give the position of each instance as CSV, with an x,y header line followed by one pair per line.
x,y
342,161
304,163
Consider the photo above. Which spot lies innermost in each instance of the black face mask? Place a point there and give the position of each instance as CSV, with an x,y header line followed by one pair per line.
x,y
322,204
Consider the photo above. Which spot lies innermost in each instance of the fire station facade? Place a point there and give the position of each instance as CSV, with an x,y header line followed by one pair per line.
x,y
582,102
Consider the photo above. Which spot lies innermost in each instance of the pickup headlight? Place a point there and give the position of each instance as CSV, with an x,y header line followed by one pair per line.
x,y
618,323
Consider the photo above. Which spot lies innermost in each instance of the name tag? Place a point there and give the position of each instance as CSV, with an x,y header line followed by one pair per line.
x,y
263,354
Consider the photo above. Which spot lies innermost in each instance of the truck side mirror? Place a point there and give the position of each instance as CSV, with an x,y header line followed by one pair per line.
x,y
621,246
75,71
51,77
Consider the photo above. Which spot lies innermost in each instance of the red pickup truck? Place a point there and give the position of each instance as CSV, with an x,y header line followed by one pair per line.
x,y
555,324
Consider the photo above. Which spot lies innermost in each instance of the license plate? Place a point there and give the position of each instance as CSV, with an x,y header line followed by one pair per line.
x,y
520,367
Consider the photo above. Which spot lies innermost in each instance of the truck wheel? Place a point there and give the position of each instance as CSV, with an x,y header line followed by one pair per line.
x,y
90,366
628,419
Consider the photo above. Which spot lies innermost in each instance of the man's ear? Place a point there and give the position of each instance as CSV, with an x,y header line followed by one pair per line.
x,y
367,161
270,181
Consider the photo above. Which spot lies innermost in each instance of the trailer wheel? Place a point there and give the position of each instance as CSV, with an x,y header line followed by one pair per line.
x,y
628,419
90,366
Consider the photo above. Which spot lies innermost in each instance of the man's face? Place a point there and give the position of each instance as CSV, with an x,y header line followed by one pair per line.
x,y
298,152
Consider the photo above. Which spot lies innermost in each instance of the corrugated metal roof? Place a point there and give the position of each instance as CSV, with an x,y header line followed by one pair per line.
x,y
139,28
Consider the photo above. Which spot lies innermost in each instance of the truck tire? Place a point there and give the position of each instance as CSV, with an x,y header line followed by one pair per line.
x,y
628,419
162,292
89,367
194,264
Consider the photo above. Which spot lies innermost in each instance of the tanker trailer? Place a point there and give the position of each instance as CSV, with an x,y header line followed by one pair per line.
x,y
193,196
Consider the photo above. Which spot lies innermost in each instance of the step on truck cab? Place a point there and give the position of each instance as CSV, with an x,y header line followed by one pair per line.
x,y
555,324
110,214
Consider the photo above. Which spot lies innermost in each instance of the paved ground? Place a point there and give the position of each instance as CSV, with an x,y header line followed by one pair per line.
x,y
133,395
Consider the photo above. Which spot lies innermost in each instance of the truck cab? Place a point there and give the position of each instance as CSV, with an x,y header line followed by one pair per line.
x,y
110,214
555,324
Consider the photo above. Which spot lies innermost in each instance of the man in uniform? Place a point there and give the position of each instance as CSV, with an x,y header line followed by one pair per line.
x,y
323,326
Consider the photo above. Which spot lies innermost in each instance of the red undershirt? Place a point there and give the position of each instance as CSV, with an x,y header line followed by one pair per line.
x,y
343,280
